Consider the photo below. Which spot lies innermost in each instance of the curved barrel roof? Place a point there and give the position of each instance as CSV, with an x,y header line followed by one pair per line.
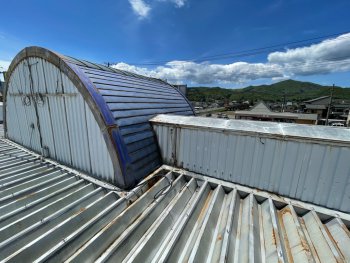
x,y
122,104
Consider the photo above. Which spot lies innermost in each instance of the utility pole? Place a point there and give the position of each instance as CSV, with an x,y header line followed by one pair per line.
x,y
283,106
329,105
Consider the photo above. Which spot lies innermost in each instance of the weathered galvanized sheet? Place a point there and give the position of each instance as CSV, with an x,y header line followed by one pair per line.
x,y
308,163
50,214
88,116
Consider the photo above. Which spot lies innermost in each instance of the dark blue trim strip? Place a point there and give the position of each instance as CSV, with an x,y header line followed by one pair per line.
x,y
100,102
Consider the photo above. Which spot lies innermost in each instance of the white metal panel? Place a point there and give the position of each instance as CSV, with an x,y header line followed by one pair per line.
x,y
101,164
68,127
75,113
40,85
58,120
306,170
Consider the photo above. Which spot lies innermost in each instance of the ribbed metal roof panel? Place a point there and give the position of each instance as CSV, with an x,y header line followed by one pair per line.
x,y
51,214
133,100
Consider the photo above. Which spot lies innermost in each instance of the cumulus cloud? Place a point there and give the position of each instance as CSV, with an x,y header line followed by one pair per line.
x,y
205,73
332,55
140,8
329,56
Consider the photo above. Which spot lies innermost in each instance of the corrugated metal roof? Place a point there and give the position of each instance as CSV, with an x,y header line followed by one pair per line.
x,y
48,213
316,99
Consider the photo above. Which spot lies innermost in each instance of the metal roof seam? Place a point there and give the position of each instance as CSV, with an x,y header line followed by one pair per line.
x,y
64,167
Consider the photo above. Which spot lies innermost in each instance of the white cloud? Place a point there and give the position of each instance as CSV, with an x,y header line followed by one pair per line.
x,y
205,73
178,3
140,8
329,56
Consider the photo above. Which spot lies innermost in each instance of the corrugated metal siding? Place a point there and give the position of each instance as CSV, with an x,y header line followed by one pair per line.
x,y
63,115
52,215
313,172
121,103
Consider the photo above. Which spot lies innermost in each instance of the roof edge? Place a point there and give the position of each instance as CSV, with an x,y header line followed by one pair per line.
x,y
245,130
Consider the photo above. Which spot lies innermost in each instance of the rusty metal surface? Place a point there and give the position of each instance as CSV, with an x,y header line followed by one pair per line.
x,y
304,162
53,215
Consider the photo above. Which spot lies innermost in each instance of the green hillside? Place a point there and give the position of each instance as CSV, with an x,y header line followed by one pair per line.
x,y
293,90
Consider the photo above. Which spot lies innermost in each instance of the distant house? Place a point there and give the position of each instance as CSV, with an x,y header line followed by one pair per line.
x,y
261,112
317,106
338,112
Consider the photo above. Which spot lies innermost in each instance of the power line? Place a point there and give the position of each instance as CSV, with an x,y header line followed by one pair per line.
x,y
244,53
268,49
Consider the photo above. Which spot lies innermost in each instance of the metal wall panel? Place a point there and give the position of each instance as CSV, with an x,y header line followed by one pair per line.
x,y
49,213
303,168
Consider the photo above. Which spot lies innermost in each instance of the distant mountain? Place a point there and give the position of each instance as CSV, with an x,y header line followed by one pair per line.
x,y
292,89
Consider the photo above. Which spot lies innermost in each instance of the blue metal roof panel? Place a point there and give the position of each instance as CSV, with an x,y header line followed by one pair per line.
x,y
132,100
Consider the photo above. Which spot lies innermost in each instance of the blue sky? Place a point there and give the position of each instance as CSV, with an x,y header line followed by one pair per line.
x,y
139,31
